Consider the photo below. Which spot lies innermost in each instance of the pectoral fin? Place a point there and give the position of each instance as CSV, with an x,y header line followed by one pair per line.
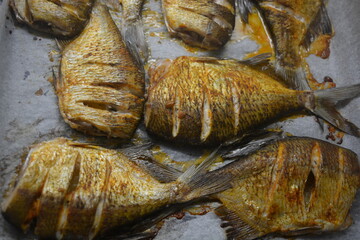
x,y
235,227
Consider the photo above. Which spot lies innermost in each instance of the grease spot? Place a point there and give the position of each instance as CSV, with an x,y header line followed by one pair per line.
x,y
26,75
39,92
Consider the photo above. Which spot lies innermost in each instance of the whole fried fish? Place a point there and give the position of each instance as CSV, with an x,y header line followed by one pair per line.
x,y
208,101
100,87
64,18
290,187
201,23
80,191
133,30
292,26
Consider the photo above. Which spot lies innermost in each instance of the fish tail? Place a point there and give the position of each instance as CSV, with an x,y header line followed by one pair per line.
x,y
323,104
197,183
133,32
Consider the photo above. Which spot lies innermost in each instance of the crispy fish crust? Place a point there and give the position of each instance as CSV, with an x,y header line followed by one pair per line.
x,y
100,87
208,101
80,191
64,18
291,187
201,23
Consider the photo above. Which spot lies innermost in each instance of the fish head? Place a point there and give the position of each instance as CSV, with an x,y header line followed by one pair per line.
x,y
204,24
327,189
63,18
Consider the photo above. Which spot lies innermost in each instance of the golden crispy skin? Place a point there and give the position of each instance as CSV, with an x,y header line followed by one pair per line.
x,y
208,101
59,17
79,190
201,23
101,87
293,186
72,190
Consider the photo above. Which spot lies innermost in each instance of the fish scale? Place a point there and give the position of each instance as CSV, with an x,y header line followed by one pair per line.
x,y
204,100
62,18
201,23
96,192
100,87
209,105
273,191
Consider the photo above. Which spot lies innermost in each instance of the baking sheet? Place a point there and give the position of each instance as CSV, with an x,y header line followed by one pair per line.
x,y
30,114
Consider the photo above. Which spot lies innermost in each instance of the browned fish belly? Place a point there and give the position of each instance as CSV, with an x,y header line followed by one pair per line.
x,y
61,17
201,23
100,87
80,191
208,101
290,187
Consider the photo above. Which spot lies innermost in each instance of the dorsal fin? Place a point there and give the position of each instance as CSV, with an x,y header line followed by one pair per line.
x,y
62,43
235,227
141,155
250,143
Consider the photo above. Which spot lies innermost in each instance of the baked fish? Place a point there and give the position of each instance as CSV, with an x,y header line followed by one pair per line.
x,y
100,87
133,30
208,101
63,18
201,23
292,26
80,191
292,186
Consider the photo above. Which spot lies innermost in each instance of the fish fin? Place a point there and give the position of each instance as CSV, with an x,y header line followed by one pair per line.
x,y
245,7
251,144
235,227
156,217
296,78
162,173
142,156
62,43
134,37
259,59
134,151
302,231
321,25
323,104
192,172
198,184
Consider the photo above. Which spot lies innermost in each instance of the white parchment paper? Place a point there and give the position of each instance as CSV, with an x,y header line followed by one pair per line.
x,y
29,112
